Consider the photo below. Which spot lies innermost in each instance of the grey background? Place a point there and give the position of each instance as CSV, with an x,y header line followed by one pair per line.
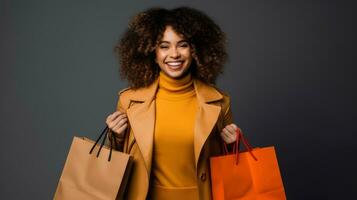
x,y
290,76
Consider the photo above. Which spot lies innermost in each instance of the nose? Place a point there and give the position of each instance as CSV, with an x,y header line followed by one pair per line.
x,y
174,53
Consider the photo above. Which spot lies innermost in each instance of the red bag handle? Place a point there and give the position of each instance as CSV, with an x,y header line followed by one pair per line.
x,y
246,144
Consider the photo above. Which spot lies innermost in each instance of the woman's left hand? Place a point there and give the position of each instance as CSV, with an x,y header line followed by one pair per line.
x,y
229,133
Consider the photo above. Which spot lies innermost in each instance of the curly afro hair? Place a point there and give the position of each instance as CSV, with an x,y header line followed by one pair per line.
x,y
136,49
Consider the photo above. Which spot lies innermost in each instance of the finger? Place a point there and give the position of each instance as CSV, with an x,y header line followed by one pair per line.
x,y
224,137
117,114
230,133
226,132
120,131
117,122
111,116
120,123
234,126
118,119
231,129
114,115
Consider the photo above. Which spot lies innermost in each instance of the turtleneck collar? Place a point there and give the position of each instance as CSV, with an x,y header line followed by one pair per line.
x,y
170,88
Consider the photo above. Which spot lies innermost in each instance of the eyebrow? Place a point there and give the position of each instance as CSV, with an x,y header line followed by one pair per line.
x,y
181,41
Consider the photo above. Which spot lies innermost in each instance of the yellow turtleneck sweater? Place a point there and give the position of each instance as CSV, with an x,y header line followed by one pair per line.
x,y
173,166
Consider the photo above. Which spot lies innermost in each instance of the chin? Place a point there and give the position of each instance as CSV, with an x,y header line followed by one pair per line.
x,y
175,73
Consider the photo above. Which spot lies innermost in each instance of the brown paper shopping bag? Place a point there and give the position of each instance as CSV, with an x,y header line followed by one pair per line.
x,y
89,175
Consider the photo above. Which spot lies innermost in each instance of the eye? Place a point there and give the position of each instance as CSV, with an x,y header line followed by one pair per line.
x,y
164,47
184,45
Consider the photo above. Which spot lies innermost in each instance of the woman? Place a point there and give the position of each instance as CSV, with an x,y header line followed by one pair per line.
x,y
172,118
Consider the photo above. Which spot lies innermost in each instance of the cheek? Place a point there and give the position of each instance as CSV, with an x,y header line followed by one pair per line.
x,y
189,59
187,54
157,55
160,56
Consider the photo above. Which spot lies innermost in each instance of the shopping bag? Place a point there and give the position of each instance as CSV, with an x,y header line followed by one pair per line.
x,y
89,175
250,175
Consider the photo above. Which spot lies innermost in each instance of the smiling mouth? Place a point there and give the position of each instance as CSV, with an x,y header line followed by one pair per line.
x,y
174,64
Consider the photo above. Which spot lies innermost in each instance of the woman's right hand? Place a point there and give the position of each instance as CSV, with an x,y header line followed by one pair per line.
x,y
117,123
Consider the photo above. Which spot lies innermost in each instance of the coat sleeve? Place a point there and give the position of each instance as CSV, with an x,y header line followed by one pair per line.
x,y
122,108
227,119
227,116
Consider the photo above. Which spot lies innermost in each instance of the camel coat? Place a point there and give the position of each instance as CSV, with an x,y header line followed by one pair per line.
x,y
213,115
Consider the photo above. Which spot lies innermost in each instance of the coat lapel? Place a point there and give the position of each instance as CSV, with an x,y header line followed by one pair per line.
x,y
206,116
142,117
142,120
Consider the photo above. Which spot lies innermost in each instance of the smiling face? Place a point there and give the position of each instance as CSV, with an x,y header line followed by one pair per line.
x,y
173,54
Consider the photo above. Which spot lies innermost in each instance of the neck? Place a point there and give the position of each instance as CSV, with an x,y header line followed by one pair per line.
x,y
171,87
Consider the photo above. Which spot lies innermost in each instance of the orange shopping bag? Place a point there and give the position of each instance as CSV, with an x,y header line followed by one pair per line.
x,y
250,175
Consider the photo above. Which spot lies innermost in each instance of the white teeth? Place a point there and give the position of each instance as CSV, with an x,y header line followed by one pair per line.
x,y
174,63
